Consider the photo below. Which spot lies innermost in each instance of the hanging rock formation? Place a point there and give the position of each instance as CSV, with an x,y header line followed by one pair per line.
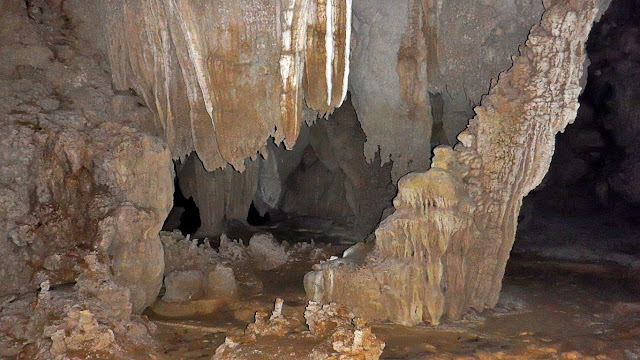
x,y
445,248
405,50
221,195
221,77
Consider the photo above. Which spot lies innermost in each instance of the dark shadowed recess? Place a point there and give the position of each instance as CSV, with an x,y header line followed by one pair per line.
x,y
184,215
588,207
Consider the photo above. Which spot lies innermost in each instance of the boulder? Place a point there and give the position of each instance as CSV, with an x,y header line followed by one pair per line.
x,y
183,286
266,252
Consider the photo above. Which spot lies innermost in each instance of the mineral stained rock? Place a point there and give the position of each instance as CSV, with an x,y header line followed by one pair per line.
x,y
202,66
90,319
84,188
79,170
445,248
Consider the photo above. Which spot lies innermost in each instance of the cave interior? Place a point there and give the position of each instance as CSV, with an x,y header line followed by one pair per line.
x,y
320,179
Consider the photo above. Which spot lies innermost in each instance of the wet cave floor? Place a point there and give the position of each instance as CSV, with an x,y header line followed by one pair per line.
x,y
561,308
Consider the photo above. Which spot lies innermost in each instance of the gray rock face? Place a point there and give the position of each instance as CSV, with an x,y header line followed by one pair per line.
x,y
378,28
406,50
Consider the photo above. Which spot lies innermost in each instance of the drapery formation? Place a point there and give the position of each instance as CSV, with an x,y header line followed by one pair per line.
x,y
223,76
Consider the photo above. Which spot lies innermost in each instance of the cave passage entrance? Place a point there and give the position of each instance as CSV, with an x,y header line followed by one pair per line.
x,y
323,189
184,215
588,206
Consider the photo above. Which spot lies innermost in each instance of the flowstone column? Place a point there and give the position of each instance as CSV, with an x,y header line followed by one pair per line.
x,y
445,248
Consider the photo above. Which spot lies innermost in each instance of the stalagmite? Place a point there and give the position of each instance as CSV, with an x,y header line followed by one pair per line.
x,y
445,248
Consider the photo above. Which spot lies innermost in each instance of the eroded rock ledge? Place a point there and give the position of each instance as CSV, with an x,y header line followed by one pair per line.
x,y
445,248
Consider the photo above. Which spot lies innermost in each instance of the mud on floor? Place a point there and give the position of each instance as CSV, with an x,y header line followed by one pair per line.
x,y
548,310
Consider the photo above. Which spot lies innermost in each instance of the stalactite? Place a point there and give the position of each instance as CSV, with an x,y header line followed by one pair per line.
x,y
242,81
413,68
327,55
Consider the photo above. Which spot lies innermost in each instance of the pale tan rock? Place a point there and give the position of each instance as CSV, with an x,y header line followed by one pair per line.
x,y
183,286
266,252
260,51
455,224
221,283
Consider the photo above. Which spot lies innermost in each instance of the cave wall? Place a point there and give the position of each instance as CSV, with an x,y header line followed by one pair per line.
x,y
81,174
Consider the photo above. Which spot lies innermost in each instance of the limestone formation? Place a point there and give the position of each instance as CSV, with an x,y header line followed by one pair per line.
x,y
406,50
98,97
190,67
79,172
331,333
266,252
202,66
445,248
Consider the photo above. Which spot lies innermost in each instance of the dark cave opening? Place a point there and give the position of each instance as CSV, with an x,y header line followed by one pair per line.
x,y
254,218
578,238
323,188
184,215
587,208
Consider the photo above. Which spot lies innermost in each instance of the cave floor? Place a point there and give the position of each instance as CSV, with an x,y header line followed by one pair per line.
x,y
564,308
